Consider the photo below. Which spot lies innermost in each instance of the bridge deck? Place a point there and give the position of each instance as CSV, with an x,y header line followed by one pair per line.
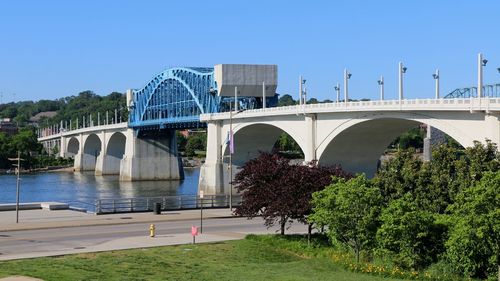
x,y
470,104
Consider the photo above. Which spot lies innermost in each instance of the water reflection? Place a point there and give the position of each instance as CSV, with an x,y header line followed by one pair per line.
x,y
85,187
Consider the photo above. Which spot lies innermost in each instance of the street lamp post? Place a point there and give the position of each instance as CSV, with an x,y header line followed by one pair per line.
x,y
18,171
402,70
337,91
264,94
436,78
230,158
381,83
201,211
480,75
347,76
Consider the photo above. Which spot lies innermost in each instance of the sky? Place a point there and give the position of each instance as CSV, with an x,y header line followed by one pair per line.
x,y
51,49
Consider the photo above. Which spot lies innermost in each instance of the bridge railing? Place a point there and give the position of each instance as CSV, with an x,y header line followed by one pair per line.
x,y
168,203
82,123
373,105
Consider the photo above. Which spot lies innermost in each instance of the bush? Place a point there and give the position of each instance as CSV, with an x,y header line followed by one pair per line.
x,y
411,236
350,209
474,244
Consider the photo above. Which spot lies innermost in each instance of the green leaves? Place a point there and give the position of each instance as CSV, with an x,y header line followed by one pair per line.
x,y
412,236
350,210
474,244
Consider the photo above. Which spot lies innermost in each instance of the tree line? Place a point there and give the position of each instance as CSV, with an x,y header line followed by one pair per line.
x,y
67,108
442,215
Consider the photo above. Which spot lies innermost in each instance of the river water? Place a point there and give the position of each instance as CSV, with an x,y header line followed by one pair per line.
x,y
79,189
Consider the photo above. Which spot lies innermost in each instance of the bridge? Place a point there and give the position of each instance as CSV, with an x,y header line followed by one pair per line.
x,y
353,134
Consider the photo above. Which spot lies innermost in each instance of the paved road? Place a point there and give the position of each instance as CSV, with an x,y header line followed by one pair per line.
x,y
57,241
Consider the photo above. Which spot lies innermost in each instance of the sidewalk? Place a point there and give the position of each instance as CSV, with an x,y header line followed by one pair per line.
x,y
43,219
135,243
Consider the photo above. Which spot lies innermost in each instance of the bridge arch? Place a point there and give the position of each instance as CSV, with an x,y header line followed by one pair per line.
x,y
109,162
116,145
175,96
251,138
73,147
91,150
358,142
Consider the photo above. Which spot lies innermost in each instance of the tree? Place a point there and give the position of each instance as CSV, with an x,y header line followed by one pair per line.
x,y
410,235
312,101
196,142
279,192
412,138
26,142
286,100
181,141
399,175
350,210
474,244
5,151
286,143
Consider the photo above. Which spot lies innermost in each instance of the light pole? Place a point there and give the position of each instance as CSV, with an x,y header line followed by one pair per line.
x,y
302,82
347,76
231,151
381,83
18,171
436,78
263,94
402,70
201,211
337,91
480,64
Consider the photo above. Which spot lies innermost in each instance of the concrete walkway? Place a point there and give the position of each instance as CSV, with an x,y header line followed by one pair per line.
x,y
42,233
43,219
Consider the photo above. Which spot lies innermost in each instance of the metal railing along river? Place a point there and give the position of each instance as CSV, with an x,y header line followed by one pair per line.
x,y
168,203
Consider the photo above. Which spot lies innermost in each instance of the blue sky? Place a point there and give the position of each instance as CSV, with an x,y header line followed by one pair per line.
x,y
51,49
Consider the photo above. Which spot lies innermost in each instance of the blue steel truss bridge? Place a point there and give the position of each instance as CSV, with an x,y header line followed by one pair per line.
x,y
176,97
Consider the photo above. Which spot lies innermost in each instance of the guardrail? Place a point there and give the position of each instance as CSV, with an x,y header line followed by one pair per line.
x,y
468,104
168,203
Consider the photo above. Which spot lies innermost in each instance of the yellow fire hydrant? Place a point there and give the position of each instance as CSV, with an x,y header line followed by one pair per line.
x,y
152,229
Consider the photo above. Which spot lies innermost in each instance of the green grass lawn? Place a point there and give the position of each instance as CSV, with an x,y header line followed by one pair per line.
x,y
248,259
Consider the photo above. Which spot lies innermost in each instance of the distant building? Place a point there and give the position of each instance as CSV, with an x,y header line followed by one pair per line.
x,y
189,132
35,120
8,127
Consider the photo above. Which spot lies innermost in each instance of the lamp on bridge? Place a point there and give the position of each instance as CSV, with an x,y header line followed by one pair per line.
x,y
498,69
347,76
337,91
436,77
381,83
480,64
402,70
302,82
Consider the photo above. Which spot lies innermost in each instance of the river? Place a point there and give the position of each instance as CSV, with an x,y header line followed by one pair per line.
x,y
79,189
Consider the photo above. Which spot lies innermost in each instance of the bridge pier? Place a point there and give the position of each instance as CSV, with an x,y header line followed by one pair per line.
x,y
151,157
212,171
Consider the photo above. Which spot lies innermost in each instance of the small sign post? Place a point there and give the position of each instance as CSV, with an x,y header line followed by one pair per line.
x,y
194,232
201,211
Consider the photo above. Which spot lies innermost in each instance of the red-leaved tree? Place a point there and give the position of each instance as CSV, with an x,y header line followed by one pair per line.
x,y
278,191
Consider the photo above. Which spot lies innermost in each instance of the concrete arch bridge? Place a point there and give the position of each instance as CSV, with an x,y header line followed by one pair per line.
x,y
353,134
